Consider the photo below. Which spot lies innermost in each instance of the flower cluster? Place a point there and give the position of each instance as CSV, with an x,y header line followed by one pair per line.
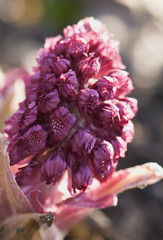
x,y
76,115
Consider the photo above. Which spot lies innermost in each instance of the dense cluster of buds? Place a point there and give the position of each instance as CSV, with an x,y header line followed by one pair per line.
x,y
68,134
76,116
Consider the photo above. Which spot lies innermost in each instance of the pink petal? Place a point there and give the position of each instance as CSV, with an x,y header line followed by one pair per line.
x,y
86,201
12,199
105,194
35,201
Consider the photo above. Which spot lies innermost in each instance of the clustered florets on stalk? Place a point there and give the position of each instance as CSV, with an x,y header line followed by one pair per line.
x,y
76,115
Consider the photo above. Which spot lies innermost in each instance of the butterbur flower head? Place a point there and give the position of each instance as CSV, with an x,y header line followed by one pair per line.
x,y
67,136
76,115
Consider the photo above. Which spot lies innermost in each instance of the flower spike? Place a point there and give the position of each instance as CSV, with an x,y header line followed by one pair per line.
x,y
76,100
67,136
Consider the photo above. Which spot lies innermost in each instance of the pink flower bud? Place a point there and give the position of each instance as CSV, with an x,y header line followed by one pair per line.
x,y
124,85
53,168
67,84
77,47
128,131
82,142
81,175
88,100
12,124
34,139
48,102
127,109
61,121
88,67
46,83
119,146
29,116
60,65
50,63
45,61
106,87
29,173
109,55
56,45
104,115
102,158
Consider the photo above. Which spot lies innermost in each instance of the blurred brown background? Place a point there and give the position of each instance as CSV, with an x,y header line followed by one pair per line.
x,y
138,25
